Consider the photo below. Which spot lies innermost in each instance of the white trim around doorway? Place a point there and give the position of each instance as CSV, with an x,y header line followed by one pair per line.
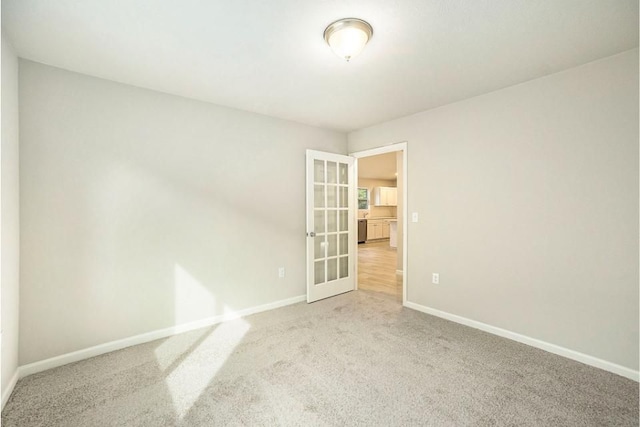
x,y
399,146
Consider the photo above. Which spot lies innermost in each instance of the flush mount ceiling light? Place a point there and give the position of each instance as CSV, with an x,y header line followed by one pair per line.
x,y
347,37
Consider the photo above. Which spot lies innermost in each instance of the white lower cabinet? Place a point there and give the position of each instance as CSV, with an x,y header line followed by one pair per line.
x,y
374,231
377,229
385,230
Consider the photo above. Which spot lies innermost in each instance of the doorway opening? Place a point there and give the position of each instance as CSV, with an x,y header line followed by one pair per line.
x,y
381,249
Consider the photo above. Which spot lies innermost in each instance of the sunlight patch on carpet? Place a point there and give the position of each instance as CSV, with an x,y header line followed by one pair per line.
x,y
192,376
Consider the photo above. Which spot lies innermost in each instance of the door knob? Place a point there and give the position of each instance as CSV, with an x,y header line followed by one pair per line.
x,y
311,234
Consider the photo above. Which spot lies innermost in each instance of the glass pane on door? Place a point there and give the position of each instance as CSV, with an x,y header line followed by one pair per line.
x,y
318,217
332,225
344,266
319,272
332,172
344,220
319,247
318,170
344,243
319,196
343,174
332,196
332,245
332,269
344,197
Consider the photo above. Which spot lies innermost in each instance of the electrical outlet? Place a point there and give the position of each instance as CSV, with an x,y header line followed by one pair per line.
x,y
435,278
414,217
281,272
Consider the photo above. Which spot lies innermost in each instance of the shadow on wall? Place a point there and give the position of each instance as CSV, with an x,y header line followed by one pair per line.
x,y
135,231
120,184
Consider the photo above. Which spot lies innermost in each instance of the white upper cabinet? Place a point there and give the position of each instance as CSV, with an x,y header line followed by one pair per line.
x,y
385,196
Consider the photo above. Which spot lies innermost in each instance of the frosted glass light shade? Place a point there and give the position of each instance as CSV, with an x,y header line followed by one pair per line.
x,y
347,37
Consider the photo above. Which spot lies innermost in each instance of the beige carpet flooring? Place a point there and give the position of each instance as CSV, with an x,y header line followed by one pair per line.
x,y
356,359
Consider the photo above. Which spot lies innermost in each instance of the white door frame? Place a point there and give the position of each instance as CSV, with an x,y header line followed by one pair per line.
x,y
399,146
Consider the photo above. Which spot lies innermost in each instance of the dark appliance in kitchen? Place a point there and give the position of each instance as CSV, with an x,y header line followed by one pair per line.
x,y
362,230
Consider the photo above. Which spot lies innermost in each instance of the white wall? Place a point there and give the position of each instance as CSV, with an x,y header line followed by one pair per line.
x,y
142,210
9,223
528,203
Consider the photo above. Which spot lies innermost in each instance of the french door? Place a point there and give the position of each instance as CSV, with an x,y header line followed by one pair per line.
x,y
330,224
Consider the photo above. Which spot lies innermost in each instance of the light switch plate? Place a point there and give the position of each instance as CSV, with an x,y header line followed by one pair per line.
x,y
414,217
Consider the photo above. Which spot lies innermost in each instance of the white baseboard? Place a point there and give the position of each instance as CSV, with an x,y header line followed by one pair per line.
x,y
7,392
97,350
543,345
399,272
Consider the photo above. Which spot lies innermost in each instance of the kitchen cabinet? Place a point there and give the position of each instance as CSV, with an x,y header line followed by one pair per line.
x,y
377,229
374,230
385,196
385,230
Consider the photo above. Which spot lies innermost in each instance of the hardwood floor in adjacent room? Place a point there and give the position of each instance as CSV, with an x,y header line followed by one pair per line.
x,y
377,263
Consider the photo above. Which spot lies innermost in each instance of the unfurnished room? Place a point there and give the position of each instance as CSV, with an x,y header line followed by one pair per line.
x,y
319,213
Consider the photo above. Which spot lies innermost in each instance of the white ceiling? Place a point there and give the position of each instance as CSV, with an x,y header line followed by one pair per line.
x,y
269,57
382,166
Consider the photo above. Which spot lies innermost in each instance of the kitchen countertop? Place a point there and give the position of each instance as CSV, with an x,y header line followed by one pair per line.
x,y
382,217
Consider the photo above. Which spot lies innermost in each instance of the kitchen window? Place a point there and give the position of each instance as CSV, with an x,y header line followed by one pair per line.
x,y
363,198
